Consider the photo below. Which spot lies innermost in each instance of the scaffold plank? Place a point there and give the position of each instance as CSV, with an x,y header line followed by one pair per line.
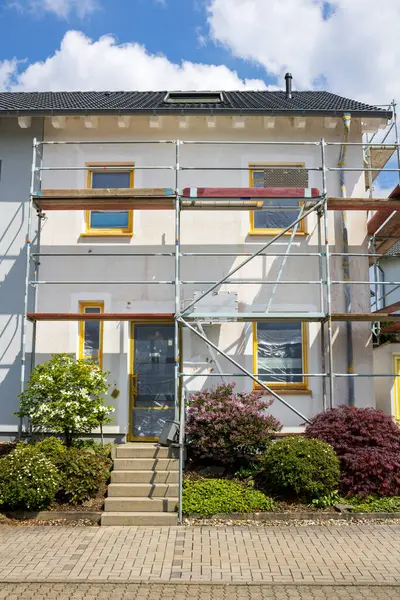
x,y
390,308
366,317
105,199
378,219
392,328
267,192
386,205
141,317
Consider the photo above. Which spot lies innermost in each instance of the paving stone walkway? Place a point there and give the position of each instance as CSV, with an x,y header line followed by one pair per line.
x,y
325,554
131,591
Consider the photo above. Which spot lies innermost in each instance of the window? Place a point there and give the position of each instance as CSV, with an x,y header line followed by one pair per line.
x,y
109,222
194,97
273,221
280,353
91,333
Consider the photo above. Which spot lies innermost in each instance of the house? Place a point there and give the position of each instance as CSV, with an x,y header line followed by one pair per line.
x,y
386,297
113,262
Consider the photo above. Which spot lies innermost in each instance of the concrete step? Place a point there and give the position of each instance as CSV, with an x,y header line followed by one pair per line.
x,y
145,451
144,477
128,504
138,490
155,519
146,464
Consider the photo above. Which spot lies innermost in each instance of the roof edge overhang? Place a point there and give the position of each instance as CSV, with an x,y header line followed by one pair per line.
x,y
370,114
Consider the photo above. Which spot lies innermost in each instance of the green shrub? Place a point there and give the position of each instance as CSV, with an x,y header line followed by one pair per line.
x,y
28,480
373,504
52,448
296,467
92,446
83,475
6,448
211,496
328,500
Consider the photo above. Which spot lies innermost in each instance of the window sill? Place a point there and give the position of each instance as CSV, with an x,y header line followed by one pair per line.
x,y
106,234
286,391
273,232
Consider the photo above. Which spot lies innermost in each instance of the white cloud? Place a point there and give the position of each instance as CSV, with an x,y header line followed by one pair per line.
x,y
83,64
354,50
61,8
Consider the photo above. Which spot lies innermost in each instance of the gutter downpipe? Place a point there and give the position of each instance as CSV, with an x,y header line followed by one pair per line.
x,y
345,261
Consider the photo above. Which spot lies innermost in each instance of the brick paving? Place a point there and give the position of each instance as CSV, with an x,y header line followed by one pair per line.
x,y
131,591
326,554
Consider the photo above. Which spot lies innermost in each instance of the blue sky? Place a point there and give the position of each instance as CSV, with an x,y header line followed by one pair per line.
x,y
173,28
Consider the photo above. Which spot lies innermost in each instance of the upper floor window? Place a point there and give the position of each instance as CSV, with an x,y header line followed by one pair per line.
x,y
272,221
110,222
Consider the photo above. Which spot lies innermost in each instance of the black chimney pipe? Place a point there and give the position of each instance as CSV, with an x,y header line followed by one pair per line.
x,y
288,79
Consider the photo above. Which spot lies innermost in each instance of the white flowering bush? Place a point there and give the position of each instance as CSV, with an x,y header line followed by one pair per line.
x,y
28,480
65,395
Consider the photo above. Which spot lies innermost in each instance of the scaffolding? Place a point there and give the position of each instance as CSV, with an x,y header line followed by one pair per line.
x,y
383,226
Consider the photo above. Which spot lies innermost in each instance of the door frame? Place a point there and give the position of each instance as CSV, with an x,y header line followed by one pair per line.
x,y
396,388
131,403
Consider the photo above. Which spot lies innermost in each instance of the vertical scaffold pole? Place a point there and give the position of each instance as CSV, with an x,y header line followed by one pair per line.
x,y
397,139
321,307
24,325
328,275
179,404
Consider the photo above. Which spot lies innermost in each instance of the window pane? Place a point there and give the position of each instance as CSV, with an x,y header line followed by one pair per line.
x,y
111,179
110,219
268,177
280,353
91,338
276,219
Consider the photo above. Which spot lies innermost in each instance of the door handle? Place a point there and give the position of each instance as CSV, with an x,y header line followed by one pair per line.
x,y
135,384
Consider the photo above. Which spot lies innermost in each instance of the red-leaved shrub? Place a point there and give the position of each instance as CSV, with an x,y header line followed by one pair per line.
x,y
370,471
367,442
225,428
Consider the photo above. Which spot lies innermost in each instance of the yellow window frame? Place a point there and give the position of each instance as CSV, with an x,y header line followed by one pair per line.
x,y
396,396
101,167
253,167
82,306
294,387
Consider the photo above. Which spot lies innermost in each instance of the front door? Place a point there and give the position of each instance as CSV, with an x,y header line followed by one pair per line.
x,y
152,379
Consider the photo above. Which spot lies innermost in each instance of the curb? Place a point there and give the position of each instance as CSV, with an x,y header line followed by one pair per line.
x,y
192,582
55,515
300,516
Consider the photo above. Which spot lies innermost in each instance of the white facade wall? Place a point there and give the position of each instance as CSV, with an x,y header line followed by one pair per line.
x,y
201,232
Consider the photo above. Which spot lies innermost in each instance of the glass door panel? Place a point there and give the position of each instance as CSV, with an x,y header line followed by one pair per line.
x,y
153,397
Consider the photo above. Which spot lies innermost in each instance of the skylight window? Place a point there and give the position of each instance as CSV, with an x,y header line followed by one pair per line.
x,y
194,97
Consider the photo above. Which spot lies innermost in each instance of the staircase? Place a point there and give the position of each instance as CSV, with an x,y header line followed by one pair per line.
x,y
144,486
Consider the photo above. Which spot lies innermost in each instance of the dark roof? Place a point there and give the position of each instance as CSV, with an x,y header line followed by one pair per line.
x,y
263,102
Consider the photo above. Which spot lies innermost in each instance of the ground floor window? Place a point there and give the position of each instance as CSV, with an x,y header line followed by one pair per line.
x,y
280,353
91,333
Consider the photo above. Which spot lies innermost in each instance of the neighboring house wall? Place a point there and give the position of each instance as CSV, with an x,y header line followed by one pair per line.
x,y
390,272
387,360
16,161
201,232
